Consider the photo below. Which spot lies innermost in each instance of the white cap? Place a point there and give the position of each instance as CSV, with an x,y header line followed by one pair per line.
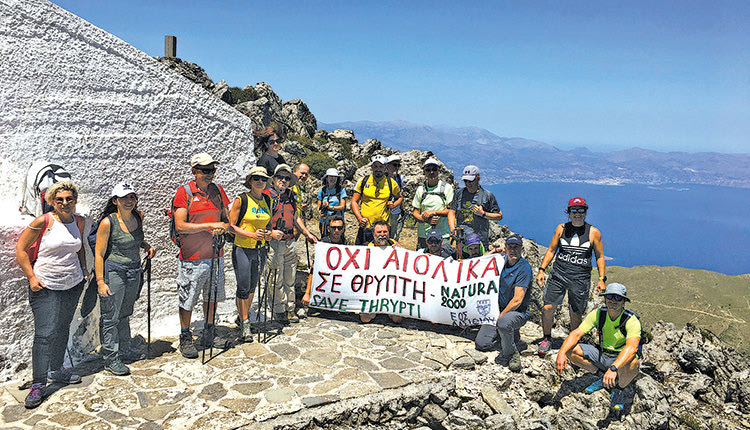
x,y
394,157
123,189
429,161
470,173
202,159
378,159
332,172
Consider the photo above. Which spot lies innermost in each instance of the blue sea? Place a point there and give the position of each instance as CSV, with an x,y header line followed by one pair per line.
x,y
692,226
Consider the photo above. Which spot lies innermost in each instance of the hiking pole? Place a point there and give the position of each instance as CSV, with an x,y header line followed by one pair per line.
x,y
148,306
208,308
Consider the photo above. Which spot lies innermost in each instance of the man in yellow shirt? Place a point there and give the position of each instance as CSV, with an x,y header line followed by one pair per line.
x,y
372,199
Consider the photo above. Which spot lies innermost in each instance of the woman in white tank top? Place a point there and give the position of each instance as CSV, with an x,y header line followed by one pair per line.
x,y
51,255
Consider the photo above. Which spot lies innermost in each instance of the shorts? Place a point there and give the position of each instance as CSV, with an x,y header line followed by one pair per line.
x,y
578,292
601,361
193,277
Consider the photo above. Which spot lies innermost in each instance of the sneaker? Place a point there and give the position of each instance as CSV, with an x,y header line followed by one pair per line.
x,y
247,333
116,368
292,317
595,386
35,396
617,399
544,346
302,313
187,347
64,376
514,364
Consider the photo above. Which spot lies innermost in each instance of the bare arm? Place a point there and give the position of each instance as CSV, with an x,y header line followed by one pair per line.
x,y
355,209
301,227
515,302
549,254
625,356
102,238
29,236
570,342
596,239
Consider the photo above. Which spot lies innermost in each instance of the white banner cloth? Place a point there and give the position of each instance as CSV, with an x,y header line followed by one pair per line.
x,y
402,282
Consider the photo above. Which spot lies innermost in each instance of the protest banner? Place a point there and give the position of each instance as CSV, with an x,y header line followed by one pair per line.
x,y
412,284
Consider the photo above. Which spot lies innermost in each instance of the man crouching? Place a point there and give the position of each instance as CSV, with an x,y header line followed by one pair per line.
x,y
617,352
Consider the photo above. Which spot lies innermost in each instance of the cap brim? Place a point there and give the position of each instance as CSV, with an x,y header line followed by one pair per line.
x,y
468,177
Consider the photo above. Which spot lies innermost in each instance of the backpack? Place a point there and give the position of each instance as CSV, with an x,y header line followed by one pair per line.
x,y
174,235
440,192
367,178
41,175
33,250
277,220
626,314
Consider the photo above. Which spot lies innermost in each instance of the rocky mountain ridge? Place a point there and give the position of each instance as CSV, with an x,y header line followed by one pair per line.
x,y
689,378
521,160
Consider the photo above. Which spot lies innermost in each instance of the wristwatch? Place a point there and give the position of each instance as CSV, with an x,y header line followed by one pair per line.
x,y
613,368
603,278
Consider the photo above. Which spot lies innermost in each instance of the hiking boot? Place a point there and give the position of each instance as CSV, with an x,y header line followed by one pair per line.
x,y
292,317
35,396
247,333
595,386
544,346
64,376
617,399
514,364
302,313
187,347
116,368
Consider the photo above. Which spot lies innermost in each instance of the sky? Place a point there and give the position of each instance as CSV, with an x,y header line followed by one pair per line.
x,y
663,75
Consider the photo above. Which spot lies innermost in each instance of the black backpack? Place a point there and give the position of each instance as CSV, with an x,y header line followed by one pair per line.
x,y
367,178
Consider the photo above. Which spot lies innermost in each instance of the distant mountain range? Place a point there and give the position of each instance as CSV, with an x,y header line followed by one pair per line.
x,y
515,159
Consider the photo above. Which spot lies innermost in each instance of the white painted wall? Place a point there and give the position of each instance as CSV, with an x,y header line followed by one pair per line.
x,y
76,95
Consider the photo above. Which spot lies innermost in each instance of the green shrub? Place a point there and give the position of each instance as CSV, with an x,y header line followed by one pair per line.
x,y
319,163
247,95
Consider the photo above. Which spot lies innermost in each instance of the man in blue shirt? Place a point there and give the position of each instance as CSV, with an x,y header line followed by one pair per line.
x,y
513,300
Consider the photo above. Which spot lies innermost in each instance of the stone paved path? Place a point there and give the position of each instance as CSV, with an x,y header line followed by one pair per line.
x,y
323,360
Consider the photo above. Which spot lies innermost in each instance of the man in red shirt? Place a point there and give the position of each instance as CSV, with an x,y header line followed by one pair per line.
x,y
200,213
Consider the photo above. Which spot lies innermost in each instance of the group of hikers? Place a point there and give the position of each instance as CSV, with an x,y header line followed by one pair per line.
x,y
264,224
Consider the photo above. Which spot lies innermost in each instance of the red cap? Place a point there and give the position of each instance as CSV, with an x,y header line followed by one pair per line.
x,y
577,201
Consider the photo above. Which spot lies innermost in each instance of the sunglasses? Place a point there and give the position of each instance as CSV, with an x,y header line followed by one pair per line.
x,y
284,178
577,211
63,200
258,178
433,241
614,297
207,170
431,169
336,227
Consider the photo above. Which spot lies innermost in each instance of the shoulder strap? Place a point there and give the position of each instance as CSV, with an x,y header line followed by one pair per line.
x,y
268,200
390,186
601,318
243,208
626,314
362,184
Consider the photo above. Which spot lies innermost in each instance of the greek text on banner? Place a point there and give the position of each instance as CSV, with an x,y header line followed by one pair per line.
x,y
412,284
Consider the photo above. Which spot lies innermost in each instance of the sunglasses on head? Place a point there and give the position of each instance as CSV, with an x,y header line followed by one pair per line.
x,y
206,170
258,178
614,297
578,211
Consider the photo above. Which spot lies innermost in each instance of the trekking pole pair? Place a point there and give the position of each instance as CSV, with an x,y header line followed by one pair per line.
x,y
263,307
208,329
147,270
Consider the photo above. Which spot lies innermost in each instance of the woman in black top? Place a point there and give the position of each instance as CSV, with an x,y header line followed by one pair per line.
x,y
269,141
